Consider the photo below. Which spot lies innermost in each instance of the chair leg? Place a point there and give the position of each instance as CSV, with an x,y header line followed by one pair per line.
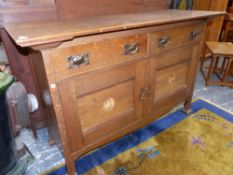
x,y
231,69
202,61
216,64
227,71
223,65
211,69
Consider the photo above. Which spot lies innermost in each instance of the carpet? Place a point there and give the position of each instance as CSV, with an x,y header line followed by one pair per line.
x,y
177,144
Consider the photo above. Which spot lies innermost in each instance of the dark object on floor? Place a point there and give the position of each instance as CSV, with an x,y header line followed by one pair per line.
x,y
8,157
221,53
23,162
19,105
17,101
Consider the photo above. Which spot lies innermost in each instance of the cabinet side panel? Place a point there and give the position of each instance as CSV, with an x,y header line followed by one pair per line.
x,y
38,67
21,68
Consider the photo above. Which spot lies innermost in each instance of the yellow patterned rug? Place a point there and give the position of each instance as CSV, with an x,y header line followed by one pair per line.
x,y
177,144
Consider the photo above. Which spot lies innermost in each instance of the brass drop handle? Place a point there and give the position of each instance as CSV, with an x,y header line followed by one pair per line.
x,y
131,48
78,60
194,35
164,41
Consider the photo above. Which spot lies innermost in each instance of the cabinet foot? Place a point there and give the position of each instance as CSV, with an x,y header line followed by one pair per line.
x,y
187,107
71,168
187,111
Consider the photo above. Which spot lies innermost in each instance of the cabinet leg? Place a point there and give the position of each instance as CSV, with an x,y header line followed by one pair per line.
x,y
187,107
71,168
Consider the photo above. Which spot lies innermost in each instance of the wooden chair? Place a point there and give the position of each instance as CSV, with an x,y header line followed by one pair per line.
x,y
221,64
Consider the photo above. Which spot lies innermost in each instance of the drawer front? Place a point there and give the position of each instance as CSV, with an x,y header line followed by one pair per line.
x,y
99,104
82,58
164,40
174,56
170,79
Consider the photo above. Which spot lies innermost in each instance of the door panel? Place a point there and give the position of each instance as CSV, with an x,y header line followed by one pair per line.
x,y
103,102
99,107
169,80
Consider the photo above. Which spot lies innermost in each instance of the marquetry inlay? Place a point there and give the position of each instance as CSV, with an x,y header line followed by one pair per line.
x,y
109,104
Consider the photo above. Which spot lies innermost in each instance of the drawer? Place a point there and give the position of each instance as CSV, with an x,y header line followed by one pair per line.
x,y
174,56
82,58
164,40
170,80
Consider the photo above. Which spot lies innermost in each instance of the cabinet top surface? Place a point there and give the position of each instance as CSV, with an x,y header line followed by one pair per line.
x,y
39,33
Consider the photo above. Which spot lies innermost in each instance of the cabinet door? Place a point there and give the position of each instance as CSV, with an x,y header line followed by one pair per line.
x,y
172,78
98,104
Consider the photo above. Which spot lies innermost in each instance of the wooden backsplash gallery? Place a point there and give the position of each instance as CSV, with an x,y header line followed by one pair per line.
x,y
34,10
81,8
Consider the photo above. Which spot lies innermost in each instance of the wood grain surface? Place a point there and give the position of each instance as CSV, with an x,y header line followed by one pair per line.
x,y
37,33
84,8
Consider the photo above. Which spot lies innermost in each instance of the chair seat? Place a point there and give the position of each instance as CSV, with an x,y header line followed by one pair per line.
x,y
220,48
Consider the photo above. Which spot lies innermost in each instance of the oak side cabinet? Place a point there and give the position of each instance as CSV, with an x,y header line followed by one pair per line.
x,y
105,76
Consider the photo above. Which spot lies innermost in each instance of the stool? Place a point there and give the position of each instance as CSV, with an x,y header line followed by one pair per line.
x,y
221,53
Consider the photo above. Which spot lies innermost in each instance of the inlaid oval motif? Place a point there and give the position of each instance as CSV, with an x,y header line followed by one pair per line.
x,y
109,104
171,78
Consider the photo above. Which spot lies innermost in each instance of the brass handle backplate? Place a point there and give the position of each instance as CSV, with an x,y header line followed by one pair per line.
x,y
131,48
148,91
142,94
78,60
145,92
194,35
164,41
